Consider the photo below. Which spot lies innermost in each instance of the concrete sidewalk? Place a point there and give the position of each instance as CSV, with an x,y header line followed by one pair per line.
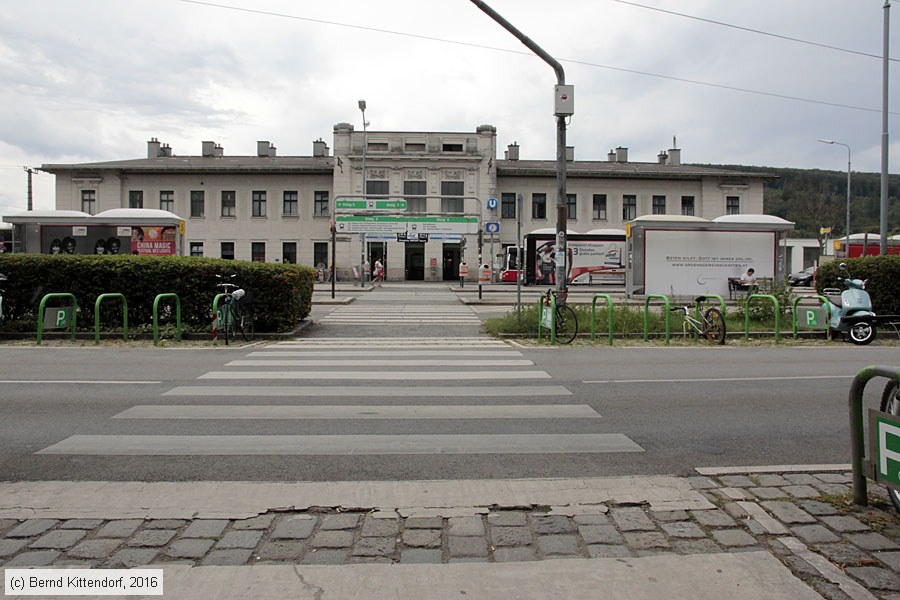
x,y
774,532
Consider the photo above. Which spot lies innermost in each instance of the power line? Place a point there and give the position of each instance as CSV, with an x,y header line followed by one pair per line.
x,y
749,30
523,53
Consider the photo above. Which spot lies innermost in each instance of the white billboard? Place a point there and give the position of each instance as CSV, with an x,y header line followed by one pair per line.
x,y
691,262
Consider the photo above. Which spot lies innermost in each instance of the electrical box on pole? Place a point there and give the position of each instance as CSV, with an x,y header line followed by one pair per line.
x,y
564,100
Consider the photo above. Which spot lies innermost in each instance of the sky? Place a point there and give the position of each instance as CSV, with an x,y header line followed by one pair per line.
x,y
733,82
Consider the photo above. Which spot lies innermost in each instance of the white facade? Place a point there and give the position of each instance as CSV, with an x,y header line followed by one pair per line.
x,y
276,209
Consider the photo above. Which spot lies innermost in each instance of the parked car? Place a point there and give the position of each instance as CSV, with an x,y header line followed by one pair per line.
x,y
803,278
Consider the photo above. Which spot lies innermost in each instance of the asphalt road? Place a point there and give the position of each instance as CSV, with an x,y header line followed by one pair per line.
x,y
468,407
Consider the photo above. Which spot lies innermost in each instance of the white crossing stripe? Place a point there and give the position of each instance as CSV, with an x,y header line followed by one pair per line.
x,y
345,445
375,362
378,375
362,411
382,353
504,391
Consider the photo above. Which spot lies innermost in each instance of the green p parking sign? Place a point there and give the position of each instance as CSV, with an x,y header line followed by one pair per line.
x,y
811,318
884,436
57,317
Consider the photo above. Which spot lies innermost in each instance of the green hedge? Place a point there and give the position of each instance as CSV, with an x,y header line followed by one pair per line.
x,y
281,294
882,275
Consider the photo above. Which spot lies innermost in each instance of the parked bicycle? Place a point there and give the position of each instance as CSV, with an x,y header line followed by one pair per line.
x,y
566,321
234,313
710,324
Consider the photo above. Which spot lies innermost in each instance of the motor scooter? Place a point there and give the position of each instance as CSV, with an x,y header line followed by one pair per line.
x,y
851,310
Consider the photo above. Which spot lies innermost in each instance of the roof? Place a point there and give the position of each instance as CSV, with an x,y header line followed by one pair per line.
x,y
630,170
206,164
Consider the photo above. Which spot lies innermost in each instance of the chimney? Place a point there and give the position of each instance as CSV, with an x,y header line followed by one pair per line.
x,y
320,148
208,148
611,157
262,148
153,148
621,154
166,151
663,158
218,151
570,153
512,152
674,156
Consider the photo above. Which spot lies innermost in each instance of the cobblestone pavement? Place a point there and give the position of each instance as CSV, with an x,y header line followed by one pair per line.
x,y
804,519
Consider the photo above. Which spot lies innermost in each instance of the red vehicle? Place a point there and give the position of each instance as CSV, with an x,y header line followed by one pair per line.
x,y
862,244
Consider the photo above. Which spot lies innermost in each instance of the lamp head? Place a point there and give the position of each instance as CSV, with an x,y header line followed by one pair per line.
x,y
826,141
362,105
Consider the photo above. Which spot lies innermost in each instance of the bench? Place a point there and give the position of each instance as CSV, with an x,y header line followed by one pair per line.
x,y
736,286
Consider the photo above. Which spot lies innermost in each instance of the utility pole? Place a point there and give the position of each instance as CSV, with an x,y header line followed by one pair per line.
x,y
564,103
30,172
885,61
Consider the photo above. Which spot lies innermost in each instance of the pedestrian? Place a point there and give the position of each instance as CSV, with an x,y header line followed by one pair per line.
x,y
378,273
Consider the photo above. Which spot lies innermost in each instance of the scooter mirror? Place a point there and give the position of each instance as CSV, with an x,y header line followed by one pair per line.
x,y
843,266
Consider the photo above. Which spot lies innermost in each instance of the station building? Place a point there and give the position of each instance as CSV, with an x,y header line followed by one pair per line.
x,y
279,208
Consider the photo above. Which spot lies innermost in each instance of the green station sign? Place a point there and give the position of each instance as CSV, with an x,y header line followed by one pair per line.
x,y
370,204
403,223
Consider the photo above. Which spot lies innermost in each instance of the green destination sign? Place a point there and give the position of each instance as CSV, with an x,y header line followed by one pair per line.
x,y
410,224
370,204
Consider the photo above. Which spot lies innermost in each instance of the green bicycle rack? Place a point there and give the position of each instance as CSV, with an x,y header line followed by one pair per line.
x,y
102,297
552,317
647,314
879,439
827,305
708,296
43,305
609,310
156,317
747,315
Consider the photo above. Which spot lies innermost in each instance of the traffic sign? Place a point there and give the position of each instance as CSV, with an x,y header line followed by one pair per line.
x,y
492,227
370,204
400,224
492,203
884,435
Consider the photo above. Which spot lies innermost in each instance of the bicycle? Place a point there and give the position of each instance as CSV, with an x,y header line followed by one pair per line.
x,y
566,321
710,324
890,403
234,313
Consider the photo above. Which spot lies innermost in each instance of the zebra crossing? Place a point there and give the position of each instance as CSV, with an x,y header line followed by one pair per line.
x,y
364,379
410,314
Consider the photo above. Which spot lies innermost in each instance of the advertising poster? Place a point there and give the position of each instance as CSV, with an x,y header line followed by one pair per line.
x,y
66,239
589,262
153,241
680,262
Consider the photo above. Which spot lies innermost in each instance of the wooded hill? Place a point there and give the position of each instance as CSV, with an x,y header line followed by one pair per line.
x,y
813,199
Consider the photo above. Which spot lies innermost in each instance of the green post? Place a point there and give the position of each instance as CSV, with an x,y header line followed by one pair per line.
x,y
647,314
825,303
156,317
100,298
609,309
43,305
747,315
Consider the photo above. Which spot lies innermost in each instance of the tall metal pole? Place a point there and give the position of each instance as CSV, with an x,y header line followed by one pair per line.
x,y
519,256
30,172
848,186
885,61
362,236
561,243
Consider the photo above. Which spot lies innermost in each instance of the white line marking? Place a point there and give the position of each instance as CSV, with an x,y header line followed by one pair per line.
x,y
759,379
382,353
448,391
77,381
378,375
338,362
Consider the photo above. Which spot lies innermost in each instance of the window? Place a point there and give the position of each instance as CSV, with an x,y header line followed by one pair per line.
x,y
629,208
227,250
167,201
196,248
228,204
258,251
539,206
452,147
732,205
135,199
452,188
508,206
89,201
687,206
414,148
289,252
415,188
571,206
599,207
376,187
659,205
198,204
290,207
320,204
258,204
377,147
320,253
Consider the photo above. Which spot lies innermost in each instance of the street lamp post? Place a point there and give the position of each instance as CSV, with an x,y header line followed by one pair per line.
x,y
362,236
848,187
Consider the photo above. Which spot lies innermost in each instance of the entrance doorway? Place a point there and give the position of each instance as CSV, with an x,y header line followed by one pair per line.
x,y
451,262
415,261
378,250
